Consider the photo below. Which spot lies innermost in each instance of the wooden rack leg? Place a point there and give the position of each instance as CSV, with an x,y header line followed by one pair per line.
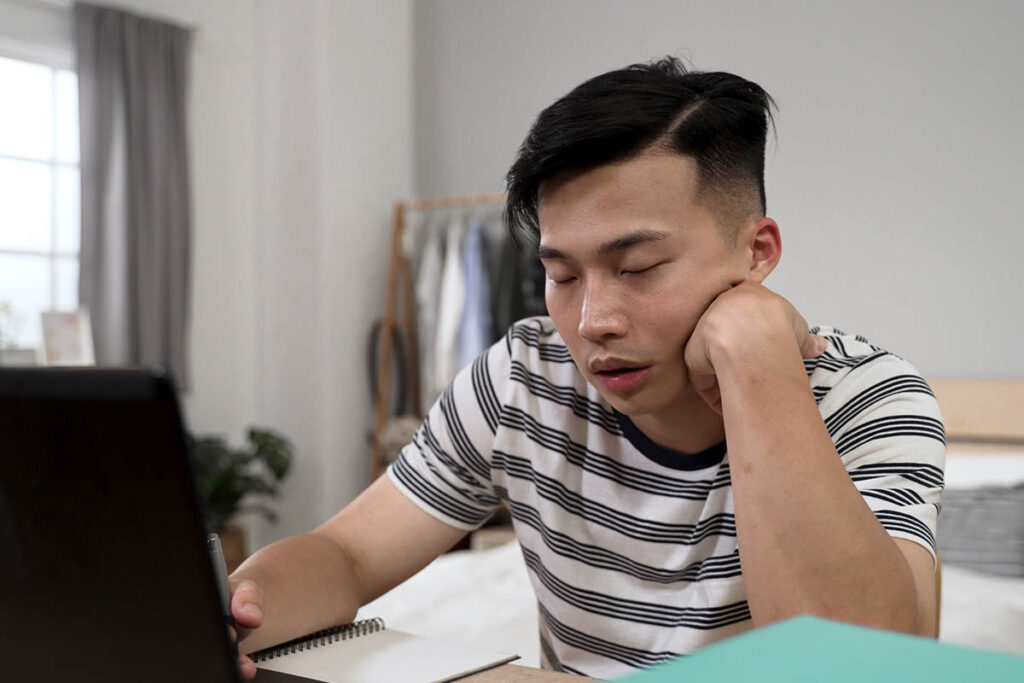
x,y
411,338
377,463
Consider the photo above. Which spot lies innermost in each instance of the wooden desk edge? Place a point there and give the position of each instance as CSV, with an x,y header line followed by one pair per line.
x,y
516,673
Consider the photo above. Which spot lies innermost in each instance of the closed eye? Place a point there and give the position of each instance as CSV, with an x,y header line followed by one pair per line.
x,y
640,271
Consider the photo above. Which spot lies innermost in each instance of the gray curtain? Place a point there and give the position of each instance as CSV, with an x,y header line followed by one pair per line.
x,y
134,276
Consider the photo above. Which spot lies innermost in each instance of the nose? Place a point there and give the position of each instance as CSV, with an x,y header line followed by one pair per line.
x,y
602,315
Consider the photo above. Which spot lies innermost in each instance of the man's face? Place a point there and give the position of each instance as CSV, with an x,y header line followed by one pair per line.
x,y
632,263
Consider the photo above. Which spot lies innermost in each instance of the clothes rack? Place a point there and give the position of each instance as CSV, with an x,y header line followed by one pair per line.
x,y
399,286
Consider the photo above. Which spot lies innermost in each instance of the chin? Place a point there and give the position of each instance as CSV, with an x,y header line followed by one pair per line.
x,y
652,398
640,403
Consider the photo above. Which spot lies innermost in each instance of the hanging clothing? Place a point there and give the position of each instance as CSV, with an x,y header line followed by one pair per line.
x,y
470,283
449,312
476,331
428,293
518,290
531,283
496,235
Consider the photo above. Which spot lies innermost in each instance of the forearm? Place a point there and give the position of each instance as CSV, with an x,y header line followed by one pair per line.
x,y
808,541
308,584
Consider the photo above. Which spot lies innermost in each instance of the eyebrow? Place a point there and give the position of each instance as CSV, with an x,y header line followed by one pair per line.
x,y
619,244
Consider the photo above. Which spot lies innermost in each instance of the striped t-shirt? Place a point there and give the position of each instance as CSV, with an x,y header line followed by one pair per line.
x,y
630,547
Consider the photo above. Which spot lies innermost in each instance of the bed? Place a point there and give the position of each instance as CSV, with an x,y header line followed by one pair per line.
x,y
484,596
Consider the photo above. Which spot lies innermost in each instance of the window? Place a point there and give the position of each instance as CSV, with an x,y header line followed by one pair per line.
x,y
39,197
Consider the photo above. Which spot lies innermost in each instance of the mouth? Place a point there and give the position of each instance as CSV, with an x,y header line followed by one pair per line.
x,y
620,377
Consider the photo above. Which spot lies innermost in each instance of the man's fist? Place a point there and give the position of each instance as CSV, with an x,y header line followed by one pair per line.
x,y
748,318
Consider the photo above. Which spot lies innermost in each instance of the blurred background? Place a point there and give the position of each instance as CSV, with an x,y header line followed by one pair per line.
x,y
894,175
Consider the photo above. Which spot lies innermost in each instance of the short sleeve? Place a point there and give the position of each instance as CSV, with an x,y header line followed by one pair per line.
x,y
446,468
887,428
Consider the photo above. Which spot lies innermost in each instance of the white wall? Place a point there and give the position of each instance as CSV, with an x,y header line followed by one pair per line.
x,y
900,148
336,137
38,32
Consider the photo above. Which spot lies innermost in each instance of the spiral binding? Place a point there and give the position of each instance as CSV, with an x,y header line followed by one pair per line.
x,y
331,635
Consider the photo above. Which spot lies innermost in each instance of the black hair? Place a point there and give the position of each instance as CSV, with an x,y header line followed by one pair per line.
x,y
718,119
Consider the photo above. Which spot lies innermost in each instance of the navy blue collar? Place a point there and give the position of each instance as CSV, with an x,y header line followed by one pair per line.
x,y
666,456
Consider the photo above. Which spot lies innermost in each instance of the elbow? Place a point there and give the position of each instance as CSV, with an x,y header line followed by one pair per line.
x,y
889,601
904,617
890,610
905,611
894,608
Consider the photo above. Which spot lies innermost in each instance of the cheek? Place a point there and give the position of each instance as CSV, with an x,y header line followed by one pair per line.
x,y
562,310
565,314
669,318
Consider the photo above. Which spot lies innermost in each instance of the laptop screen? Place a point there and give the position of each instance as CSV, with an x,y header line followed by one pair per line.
x,y
104,572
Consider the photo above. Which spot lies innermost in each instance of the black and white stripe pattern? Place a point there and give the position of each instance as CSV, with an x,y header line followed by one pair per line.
x,y
580,405
633,561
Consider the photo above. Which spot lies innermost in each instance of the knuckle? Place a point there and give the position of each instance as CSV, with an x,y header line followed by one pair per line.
x,y
251,587
247,591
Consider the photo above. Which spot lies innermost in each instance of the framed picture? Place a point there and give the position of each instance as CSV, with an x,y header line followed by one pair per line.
x,y
67,338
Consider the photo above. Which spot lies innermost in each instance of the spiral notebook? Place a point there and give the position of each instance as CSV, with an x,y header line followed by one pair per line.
x,y
368,652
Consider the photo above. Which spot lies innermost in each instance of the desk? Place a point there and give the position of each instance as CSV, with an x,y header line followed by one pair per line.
x,y
513,673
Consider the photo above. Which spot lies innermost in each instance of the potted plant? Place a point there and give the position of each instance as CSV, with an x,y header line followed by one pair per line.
x,y
231,481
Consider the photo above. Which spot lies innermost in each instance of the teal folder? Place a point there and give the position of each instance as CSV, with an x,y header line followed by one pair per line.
x,y
807,649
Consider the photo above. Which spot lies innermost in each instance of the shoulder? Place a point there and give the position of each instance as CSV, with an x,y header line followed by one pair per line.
x,y
536,360
850,360
536,342
865,392
533,331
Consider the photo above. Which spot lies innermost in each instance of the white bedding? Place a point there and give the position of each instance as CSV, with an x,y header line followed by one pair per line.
x,y
485,597
980,609
965,469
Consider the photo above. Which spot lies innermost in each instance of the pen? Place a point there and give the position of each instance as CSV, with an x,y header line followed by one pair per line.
x,y
220,571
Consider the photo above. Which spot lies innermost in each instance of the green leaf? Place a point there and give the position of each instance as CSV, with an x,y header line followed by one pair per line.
x,y
225,475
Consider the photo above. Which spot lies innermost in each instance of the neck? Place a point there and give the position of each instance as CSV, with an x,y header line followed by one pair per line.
x,y
688,426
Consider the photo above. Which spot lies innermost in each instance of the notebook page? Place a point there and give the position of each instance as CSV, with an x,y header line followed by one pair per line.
x,y
386,656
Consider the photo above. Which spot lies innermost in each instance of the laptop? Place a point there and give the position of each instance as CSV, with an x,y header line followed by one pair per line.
x,y
104,571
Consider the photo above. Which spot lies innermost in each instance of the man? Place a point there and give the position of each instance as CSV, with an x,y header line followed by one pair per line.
x,y
604,428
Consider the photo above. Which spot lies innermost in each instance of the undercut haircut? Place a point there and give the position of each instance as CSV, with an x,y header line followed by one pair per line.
x,y
715,118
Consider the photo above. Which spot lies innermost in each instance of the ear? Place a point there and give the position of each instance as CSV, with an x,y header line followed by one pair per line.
x,y
764,245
